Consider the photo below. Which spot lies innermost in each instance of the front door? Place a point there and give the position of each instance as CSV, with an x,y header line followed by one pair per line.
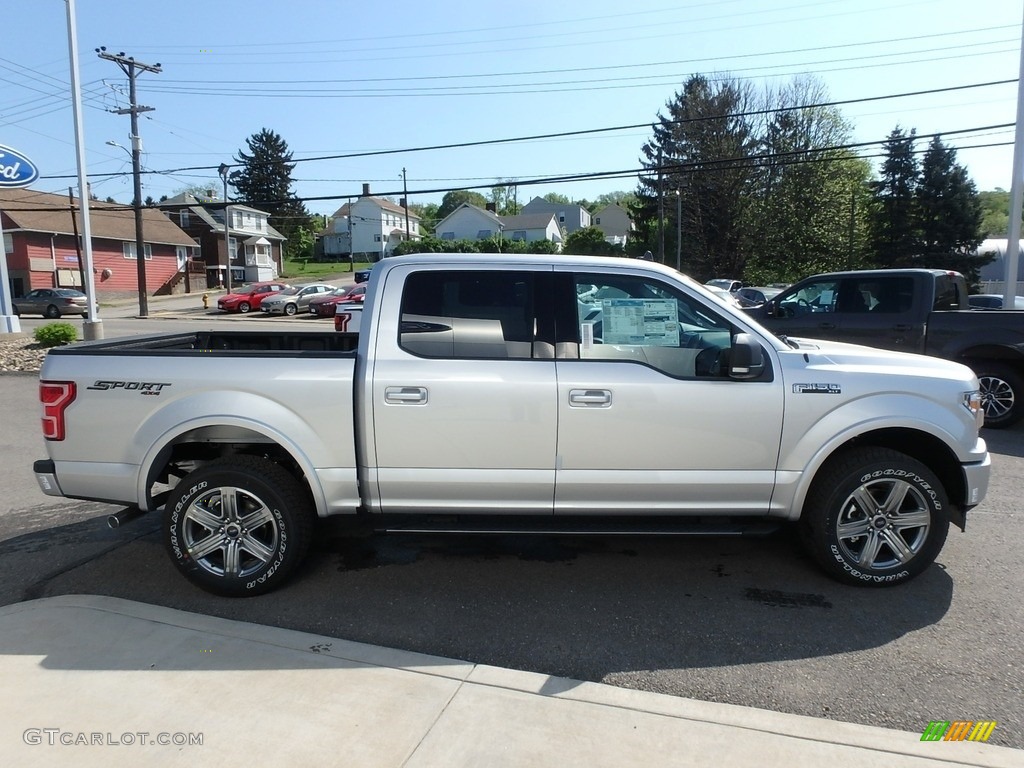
x,y
648,421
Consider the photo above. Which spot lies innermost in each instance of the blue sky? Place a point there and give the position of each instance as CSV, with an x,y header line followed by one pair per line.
x,y
340,78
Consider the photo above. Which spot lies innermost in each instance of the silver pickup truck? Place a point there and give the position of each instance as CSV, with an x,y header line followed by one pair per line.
x,y
527,393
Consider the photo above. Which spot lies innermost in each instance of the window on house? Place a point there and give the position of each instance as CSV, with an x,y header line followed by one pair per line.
x,y
130,252
597,220
184,219
377,238
561,217
447,235
483,234
519,234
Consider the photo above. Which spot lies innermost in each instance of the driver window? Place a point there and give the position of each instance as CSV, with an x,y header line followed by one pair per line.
x,y
644,321
820,296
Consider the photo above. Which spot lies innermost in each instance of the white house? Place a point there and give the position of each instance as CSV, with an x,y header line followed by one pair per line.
x,y
370,227
614,221
468,222
531,226
569,216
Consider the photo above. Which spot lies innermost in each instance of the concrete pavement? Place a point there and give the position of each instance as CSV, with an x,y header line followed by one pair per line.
x,y
95,681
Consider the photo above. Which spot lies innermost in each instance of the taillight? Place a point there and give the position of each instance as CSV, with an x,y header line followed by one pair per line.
x,y
55,396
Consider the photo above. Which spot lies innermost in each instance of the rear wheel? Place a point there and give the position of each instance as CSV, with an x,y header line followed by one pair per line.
x,y
52,311
244,307
1002,394
290,309
875,517
238,526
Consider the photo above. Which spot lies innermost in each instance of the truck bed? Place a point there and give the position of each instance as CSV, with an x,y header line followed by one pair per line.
x,y
270,343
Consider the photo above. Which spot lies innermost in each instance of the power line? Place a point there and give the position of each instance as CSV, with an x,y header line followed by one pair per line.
x,y
591,131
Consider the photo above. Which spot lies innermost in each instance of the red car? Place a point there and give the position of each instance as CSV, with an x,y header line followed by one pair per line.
x,y
248,297
324,306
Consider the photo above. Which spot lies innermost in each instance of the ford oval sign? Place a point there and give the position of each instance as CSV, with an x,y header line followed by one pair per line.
x,y
16,170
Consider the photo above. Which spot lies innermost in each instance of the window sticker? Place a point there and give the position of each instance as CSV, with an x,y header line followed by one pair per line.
x,y
653,322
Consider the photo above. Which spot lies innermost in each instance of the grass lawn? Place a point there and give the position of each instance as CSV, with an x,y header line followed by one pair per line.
x,y
318,270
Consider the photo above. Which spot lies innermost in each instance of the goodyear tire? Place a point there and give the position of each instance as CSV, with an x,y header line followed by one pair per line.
x,y
1002,394
875,517
238,526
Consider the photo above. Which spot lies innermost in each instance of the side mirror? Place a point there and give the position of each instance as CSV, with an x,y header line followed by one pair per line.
x,y
746,359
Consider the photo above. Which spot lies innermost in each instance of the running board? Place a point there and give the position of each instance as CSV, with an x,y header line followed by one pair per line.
x,y
577,526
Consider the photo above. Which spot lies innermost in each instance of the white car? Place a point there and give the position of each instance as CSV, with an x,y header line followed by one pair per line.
x,y
293,300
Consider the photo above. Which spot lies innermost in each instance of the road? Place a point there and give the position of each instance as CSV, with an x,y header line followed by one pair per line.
x,y
744,621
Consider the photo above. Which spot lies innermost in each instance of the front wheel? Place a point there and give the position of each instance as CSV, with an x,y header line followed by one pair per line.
x,y
52,311
1002,394
238,526
244,307
875,517
290,309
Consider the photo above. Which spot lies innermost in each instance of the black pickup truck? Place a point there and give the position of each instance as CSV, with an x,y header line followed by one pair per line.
x,y
910,310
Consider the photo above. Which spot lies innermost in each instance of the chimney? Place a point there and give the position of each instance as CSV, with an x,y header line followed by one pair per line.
x,y
492,207
366,189
401,202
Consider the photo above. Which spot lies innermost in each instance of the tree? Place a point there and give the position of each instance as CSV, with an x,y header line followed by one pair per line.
x,y
811,214
558,198
949,214
265,182
453,200
895,237
427,213
590,241
995,212
703,146
504,199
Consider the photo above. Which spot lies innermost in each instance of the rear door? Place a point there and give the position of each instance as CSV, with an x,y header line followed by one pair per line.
x,y
463,393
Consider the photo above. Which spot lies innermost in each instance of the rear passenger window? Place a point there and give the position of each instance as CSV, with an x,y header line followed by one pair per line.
x,y
468,315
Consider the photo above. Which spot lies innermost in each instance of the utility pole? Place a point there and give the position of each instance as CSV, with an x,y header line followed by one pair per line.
x,y
661,215
223,171
129,66
405,204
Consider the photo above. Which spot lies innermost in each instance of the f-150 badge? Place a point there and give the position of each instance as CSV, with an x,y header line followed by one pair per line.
x,y
817,389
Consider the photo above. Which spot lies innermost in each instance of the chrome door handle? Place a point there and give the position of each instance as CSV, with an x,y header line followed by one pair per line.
x,y
405,395
590,398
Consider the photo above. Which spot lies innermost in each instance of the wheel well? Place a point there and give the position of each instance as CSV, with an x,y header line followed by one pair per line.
x,y
927,449
998,352
197,447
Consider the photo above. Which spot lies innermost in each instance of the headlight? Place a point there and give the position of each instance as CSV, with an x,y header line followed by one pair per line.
x,y
972,402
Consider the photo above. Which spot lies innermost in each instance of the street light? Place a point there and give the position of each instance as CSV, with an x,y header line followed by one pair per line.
x,y
140,246
223,171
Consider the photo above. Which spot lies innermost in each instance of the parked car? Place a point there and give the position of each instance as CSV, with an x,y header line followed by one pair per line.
x,y
295,299
324,306
723,295
725,283
248,297
52,302
756,296
992,301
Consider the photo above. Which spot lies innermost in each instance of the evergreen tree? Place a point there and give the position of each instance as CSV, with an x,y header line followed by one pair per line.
x,y
265,182
895,236
950,214
703,145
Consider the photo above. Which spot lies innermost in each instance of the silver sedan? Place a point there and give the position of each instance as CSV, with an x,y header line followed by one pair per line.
x,y
293,300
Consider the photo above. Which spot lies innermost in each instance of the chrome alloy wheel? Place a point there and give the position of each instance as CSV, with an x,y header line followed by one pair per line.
x,y
229,531
883,524
996,396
